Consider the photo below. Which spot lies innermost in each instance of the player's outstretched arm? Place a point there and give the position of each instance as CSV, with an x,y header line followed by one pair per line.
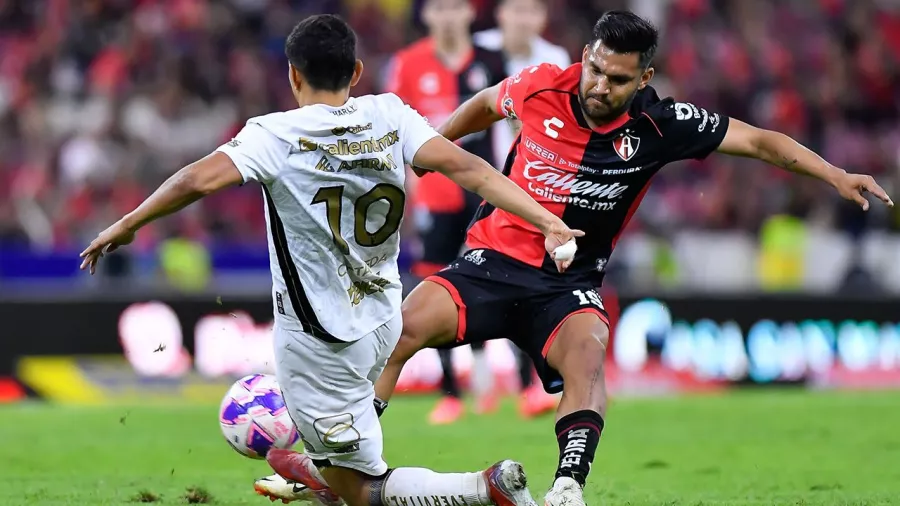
x,y
476,175
778,149
186,186
474,115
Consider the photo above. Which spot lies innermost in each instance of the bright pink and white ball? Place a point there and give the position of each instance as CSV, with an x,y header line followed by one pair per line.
x,y
254,418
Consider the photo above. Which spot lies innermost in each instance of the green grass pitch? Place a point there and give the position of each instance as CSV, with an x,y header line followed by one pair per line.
x,y
749,448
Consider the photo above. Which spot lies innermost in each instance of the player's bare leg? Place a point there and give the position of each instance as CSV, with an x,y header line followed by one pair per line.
x,y
578,353
430,318
503,484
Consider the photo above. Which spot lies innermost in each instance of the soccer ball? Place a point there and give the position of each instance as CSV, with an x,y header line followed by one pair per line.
x,y
254,418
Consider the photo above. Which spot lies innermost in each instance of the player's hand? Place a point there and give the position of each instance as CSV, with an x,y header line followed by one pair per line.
x,y
108,241
555,236
852,187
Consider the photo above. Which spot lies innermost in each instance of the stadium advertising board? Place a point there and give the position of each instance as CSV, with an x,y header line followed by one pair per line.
x,y
190,348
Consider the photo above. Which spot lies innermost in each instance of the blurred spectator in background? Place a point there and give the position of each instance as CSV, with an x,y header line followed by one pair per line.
x,y
100,100
435,75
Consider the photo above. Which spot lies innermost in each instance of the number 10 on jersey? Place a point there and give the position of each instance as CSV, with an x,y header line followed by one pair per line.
x,y
333,198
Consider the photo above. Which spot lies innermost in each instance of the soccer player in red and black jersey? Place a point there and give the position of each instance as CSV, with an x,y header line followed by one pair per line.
x,y
593,135
434,76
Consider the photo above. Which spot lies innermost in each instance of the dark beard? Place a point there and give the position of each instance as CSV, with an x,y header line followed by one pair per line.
x,y
612,115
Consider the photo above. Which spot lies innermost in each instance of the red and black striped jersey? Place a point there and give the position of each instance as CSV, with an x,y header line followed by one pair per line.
x,y
594,179
422,80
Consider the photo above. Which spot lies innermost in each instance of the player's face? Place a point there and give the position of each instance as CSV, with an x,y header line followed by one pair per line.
x,y
609,81
522,19
448,18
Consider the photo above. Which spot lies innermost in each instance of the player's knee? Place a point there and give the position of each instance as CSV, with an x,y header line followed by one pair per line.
x,y
406,347
413,338
421,329
583,359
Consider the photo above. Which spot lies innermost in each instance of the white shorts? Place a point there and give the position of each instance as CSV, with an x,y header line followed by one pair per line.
x,y
329,390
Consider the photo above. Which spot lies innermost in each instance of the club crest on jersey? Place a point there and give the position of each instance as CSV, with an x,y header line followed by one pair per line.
x,y
626,146
508,107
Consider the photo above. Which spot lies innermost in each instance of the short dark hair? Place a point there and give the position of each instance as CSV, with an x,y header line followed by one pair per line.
x,y
626,32
323,49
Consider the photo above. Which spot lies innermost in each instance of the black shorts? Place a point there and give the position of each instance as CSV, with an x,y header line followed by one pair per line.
x,y
499,297
443,234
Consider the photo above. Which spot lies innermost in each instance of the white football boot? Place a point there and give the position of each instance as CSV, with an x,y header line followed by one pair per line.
x,y
564,492
275,487
296,468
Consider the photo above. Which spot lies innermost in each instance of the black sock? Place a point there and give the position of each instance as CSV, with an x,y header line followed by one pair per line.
x,y
448,382
578,434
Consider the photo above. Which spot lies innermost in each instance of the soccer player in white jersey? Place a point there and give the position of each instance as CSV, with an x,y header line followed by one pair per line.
x,y
332,172
518,35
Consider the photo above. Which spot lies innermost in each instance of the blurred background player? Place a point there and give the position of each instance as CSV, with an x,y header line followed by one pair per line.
x,y
520,24
435,75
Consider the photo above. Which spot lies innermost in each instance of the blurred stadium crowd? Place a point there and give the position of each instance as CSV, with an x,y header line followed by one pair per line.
x,y
101,100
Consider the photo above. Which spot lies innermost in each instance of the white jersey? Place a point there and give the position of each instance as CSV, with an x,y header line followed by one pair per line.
x,y
333,181
542,51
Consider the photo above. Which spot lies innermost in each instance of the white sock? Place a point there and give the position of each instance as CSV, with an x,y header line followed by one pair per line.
x,y
482,377
416,486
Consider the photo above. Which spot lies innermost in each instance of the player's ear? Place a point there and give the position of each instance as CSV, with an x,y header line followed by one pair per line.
x,y
357,73
295,77
584,53
646,77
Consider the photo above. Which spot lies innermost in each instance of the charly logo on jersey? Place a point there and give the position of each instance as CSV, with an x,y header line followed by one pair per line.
x,y
626,146
558,185
343,147
549,125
